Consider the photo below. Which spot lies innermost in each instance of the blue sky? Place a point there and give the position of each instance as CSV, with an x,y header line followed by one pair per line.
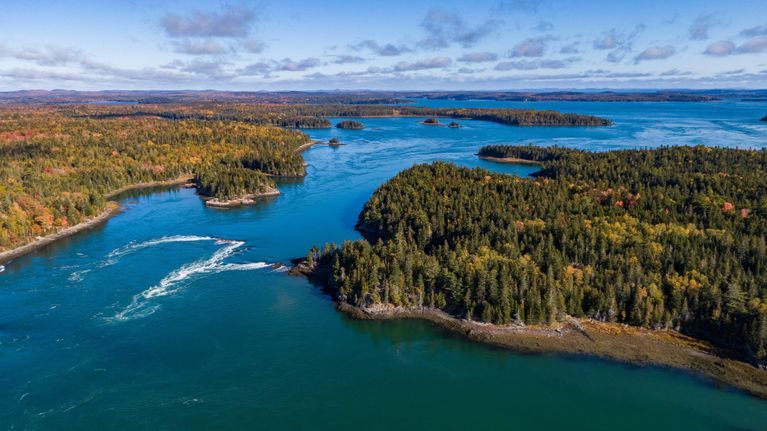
x,y
395,45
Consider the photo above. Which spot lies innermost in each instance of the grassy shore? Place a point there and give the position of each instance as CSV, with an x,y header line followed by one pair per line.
x,y
611,341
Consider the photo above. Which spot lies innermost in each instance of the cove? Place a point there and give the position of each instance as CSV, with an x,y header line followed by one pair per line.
x,y
220,339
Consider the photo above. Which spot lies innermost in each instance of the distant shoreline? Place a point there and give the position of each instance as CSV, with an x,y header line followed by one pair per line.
x,y
450,117
113,208
612,341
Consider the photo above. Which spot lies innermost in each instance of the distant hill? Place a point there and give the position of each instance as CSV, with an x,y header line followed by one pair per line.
x,y
367,97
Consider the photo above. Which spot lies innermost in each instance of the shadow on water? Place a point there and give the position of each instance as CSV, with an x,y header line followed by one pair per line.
x,y
145,191
435,339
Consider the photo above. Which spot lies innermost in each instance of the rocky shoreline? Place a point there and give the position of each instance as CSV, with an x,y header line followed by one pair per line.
x,y
616,342
306,146
240,201
113,208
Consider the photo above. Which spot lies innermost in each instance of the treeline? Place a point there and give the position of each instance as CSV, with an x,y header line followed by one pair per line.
x,y
524,152
315,116
666,238
56,169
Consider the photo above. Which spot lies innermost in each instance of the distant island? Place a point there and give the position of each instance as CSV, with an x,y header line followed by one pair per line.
x,y
646,256
350,124
225,186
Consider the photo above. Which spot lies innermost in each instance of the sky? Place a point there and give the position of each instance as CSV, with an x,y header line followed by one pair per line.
x,y
384,45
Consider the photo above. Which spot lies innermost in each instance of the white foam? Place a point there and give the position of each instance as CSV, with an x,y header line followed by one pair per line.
x,y
132,247
142,305
243,266
2,268
78,275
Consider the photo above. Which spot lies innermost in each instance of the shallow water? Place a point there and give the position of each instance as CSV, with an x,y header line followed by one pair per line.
x,y
171,316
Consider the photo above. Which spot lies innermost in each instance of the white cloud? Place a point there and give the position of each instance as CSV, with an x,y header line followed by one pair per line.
x,y
656,53
532,47
429,63
720,49
229,22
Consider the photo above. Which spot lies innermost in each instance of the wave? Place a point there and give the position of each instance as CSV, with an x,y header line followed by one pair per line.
x,y
142,304
133,246
115,255
78,275
2,268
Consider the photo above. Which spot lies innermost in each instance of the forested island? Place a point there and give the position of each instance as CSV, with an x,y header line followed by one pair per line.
x,y
231,184
631,248
350,124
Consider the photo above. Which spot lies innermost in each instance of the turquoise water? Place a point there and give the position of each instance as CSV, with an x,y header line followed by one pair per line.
x,y
171,317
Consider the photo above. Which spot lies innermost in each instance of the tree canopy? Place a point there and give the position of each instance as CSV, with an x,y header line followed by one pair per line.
x,y
665,238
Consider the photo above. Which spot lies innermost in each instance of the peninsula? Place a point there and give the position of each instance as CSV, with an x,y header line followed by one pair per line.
x,y
646,256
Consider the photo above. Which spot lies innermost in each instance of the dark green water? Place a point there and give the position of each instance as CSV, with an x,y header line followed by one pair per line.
x,y
169,318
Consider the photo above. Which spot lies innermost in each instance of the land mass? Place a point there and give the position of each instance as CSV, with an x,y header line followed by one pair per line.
x,y
669,243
